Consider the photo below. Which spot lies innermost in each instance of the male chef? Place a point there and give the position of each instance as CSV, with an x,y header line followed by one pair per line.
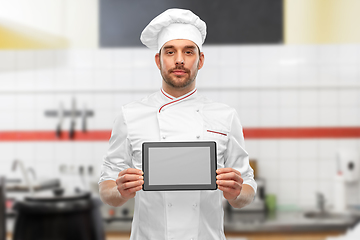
x,y
176,113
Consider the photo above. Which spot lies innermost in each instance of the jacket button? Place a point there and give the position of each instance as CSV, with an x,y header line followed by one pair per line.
x,y
169,205
197,136
163,137
195,205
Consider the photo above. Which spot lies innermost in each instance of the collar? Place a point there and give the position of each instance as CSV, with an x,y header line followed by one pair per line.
x,y
167,99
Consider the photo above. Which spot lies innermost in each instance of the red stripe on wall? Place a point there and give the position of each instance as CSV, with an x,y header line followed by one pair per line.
x,y
249,133
101,135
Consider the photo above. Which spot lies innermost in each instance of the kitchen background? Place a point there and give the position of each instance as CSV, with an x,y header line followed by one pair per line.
x,y
309,85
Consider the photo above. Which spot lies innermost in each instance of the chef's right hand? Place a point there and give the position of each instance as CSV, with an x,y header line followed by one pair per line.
x,y
129,181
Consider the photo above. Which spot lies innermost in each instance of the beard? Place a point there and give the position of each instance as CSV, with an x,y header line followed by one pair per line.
x,y
178,81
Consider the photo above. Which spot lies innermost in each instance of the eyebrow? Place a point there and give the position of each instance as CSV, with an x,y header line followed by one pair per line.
x,y
188,46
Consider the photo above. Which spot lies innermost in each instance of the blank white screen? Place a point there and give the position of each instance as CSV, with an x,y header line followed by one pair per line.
x,y
179,165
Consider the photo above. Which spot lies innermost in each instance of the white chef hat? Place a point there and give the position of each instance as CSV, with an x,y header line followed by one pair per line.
x,y
174,24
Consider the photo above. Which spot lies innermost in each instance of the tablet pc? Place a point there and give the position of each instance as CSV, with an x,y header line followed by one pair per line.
x,y
179,166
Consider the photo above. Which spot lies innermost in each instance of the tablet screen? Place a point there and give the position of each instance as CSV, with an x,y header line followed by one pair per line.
x,y
179,165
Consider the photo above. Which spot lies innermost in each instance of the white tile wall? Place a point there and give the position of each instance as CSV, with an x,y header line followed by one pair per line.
x,y
308,169
308,190
349,116
269,116
289,193
270,86
308,75
249,116
269,169
249,75
349,74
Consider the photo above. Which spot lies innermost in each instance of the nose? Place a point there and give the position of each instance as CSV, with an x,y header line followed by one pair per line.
x,y
179,60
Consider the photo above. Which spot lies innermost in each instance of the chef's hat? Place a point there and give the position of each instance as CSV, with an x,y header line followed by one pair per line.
x,y
174,24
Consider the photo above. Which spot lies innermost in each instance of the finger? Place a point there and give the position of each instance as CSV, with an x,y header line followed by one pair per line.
x,y
130,190
230,176
129,185
228,189
131,171
128,178
228,184
227,170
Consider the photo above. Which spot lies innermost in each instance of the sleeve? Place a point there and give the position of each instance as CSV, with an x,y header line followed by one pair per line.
x,y
118,155
235,156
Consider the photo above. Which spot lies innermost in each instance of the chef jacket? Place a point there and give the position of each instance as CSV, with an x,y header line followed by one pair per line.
x,y
179,215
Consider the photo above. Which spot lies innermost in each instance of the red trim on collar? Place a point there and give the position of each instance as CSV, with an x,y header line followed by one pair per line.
x,y
177,100
217,132
165,94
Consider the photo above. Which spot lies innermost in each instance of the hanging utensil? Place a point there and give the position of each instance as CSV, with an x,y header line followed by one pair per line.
x,y
73,120
61,118
84,115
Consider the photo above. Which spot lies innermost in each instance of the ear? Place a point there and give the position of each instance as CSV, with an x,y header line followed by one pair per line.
x,y
201,60
157,60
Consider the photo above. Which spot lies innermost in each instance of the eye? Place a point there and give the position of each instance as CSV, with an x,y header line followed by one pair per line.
x,y
169,53
190,52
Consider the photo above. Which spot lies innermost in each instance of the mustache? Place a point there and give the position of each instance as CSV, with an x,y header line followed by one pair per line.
x,y
179,68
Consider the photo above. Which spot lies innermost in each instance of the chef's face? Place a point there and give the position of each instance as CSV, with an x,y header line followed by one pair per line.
x,y
179,61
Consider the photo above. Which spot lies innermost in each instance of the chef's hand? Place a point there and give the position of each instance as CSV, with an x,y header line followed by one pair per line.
x,y
230,182
129,181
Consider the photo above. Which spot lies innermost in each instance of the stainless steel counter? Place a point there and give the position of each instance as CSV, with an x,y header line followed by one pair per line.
x,y
287,222
279,222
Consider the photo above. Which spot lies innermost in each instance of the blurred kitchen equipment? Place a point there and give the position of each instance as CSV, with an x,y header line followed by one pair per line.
x,y
25,184
61,118
24,173
90,170
58,215
18,186
322,213
256,211
82,177
61,113
123,213
348,164
118,218
320,202
32,171
2,209
73,119
347,172
339,205
84,115
270,202
253,165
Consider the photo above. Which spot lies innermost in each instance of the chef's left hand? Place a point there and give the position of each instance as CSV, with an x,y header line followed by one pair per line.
x,y
230,182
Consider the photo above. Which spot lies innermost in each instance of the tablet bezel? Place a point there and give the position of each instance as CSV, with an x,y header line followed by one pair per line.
x,y
179,187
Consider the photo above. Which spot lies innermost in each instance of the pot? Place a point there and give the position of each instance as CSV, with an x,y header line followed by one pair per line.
x,y
73,216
